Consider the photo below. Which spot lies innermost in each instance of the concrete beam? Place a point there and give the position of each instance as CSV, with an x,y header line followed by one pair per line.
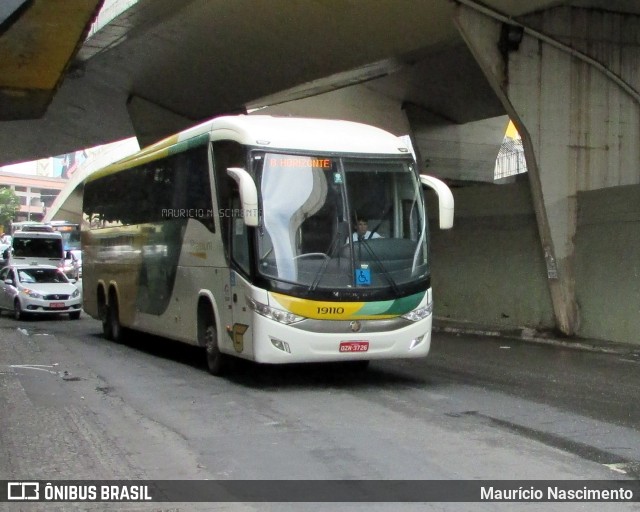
x,y
359,103
151,122
38,40
457,152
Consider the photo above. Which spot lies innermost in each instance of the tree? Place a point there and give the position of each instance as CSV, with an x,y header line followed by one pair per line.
x,y
9,205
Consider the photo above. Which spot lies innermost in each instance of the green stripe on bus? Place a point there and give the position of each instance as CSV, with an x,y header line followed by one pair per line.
x,y
185,145
392,307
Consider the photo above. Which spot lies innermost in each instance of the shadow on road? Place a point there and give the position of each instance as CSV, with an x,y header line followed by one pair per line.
x,y
265,376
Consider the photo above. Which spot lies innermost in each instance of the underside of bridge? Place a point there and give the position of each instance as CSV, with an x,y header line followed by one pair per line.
x,y
556,249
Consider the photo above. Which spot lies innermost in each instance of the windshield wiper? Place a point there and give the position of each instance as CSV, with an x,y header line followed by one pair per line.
x,y
340,234
364,243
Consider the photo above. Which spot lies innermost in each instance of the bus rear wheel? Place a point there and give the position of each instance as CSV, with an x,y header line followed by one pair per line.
x,y
103,313
113,326
216,361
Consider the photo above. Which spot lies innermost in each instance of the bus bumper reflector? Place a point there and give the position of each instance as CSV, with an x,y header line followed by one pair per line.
x,y
415,342
280,345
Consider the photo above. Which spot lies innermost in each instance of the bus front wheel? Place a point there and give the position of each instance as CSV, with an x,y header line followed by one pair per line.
x,y
216,360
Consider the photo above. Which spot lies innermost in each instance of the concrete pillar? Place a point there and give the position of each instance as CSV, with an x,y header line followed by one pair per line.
x,y
570,86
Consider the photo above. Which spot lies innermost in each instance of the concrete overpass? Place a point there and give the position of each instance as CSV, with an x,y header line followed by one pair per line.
x,y
557,251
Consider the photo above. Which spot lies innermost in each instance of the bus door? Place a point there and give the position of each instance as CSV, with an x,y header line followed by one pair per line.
x,y
241,329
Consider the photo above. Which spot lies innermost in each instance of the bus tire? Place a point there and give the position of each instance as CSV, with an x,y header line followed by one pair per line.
x,y
106,326
216,361
103,313
113,319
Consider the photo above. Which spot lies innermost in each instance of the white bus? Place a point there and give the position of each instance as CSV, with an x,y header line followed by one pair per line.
x,y
70,232
236,235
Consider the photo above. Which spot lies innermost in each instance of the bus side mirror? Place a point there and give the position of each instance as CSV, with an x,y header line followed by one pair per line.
x,y
445,199
248,195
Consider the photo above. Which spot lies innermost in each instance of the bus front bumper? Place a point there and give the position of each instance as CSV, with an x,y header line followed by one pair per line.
x,y
278,343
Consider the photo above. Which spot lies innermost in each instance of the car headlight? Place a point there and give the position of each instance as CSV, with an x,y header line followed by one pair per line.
x,y
284,317
32,293
75,293
419,313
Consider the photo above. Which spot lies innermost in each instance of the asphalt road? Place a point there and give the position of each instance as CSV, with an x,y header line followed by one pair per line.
x,y
75,406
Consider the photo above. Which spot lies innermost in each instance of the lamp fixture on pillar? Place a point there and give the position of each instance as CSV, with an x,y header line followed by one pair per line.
x,y
510,38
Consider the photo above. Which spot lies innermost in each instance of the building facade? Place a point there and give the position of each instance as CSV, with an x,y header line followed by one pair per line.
x,y
36,193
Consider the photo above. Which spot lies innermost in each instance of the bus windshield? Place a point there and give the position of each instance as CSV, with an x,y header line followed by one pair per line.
x,y
70,234
311,207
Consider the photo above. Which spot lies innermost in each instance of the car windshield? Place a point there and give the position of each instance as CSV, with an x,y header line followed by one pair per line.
x,y
311,206
41,275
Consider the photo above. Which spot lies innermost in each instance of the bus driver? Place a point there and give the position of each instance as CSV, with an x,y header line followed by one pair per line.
x,y
362,232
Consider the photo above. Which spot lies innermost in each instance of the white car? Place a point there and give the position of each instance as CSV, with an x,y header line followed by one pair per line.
x,y
38,289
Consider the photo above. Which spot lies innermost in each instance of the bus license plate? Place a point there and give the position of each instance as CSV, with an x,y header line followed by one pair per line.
x,y
56,304
354,346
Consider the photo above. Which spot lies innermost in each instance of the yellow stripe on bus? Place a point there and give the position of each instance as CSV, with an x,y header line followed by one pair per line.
x,y
326,310
153,152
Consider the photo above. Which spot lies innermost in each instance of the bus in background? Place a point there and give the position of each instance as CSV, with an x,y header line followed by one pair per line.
x,y
70,233
236,235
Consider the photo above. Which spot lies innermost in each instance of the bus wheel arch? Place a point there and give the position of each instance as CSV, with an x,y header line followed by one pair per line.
x,y
217,362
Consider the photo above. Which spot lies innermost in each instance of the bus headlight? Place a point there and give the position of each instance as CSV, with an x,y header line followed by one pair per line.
x,y
419,313
284,317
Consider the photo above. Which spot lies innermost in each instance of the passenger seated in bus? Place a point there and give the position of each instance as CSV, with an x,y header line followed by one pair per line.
x,y
362,231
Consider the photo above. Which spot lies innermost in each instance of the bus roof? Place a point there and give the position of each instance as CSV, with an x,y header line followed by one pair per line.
x,y
293,133
276,133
